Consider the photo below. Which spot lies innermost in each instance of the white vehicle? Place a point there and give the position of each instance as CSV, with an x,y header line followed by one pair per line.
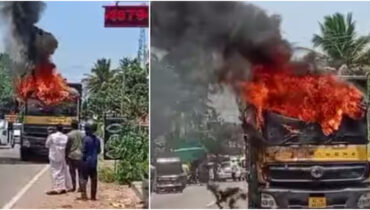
x,y
17,133
228,170
234,161
5,135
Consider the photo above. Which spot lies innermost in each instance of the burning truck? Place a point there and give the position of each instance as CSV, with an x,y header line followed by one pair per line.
x,y
47,99
307,146
40,118
305,129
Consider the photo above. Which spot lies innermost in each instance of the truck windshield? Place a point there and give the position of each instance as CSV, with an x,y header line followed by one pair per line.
x,y
169,168
36,108
282,130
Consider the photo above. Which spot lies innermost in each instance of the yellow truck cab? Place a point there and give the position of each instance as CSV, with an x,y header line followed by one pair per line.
x,y
303,168
38,119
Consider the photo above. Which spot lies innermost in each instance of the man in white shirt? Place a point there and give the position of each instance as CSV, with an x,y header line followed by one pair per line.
x,y
61,180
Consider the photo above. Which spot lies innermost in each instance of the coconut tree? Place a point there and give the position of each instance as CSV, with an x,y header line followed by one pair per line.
x,y
339,40
101,75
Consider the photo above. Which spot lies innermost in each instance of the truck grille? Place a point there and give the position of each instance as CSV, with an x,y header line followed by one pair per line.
x,y
318,173
39,131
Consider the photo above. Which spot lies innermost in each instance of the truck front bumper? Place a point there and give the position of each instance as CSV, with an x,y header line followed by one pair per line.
x,y
34,145
346,197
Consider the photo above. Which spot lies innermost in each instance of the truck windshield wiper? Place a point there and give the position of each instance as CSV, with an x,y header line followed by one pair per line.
x,y
287,139
330,140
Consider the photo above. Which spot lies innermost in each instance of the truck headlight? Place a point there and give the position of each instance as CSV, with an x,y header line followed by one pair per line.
x,y
364,201
268,201
26,143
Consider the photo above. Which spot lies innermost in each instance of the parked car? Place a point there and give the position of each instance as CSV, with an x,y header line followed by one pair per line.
x,y
227,171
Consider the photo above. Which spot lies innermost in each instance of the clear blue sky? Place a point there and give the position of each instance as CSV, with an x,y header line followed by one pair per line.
x,y
300,19
79,28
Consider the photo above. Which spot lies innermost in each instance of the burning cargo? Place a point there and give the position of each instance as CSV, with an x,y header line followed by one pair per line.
x,y
323,99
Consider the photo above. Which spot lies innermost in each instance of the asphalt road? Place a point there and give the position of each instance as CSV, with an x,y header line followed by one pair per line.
x,y
14,174
193,197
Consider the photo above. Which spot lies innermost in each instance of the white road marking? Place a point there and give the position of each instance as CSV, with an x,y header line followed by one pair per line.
x,y
15,199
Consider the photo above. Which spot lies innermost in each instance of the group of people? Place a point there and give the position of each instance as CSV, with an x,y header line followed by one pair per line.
x,y
73,155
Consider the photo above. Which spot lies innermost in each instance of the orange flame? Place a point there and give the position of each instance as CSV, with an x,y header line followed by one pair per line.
x,y
45,84
322,99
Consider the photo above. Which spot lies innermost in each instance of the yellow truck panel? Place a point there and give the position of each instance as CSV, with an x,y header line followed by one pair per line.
x,y
48,120
320,153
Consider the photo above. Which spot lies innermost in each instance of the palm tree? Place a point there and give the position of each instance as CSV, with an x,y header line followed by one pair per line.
x,y
339,40
101,75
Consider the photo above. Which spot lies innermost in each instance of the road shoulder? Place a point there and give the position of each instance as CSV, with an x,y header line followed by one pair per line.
x,y
109,196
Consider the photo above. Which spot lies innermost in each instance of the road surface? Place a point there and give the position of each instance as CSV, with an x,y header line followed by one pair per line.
x,y
15,174
193,197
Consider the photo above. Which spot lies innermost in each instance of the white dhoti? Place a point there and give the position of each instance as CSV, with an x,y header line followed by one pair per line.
x,y
61,179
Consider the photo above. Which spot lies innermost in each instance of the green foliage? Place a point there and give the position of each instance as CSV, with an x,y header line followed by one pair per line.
x,y
6,87
106,174
123,91
101,76
131,149
180,106
340,42
180,97
135,91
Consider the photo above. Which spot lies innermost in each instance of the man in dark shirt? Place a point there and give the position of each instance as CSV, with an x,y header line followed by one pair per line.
x,y
91,150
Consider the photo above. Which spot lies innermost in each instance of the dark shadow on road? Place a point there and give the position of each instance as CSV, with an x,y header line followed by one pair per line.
x,y
17,161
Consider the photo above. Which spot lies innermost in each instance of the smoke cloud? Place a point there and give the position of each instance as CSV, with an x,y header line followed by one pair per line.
x,y
206,43
26,44
232,35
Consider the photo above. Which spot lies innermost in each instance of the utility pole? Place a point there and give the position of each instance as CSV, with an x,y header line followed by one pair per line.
x,y
142,54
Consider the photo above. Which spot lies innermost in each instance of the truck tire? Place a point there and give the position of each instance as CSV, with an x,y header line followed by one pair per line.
x,y
25,154
12,142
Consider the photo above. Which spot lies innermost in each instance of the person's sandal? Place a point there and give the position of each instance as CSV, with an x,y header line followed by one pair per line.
x,y
62,192
71,190
81,198
52,192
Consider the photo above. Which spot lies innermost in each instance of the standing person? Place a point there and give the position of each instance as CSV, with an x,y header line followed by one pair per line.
x,y
91,150
56,142
74,154
203,172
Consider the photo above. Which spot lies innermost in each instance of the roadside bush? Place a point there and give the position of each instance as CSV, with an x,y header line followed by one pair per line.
x,y
131,150
106,174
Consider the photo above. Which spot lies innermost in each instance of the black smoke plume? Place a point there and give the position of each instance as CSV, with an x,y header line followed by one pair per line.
x,y
235,35
26,44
